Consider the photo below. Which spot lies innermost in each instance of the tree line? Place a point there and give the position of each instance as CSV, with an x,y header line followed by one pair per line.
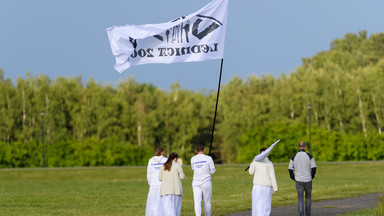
x,y
89,124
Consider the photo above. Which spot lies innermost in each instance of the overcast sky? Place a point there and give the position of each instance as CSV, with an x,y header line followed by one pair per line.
x,y
68,37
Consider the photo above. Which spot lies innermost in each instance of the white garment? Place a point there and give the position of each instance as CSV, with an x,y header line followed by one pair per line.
x,y
261,200
265,153
202,192
153,168
153,202
264,173
170,205
203,167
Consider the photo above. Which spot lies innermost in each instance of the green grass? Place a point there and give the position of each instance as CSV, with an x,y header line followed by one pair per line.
x,y
123,190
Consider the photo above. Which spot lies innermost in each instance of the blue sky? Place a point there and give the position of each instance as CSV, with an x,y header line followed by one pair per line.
x,y
68,37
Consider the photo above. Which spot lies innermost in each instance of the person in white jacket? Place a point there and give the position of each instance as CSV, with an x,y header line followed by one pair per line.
x,y
203,167
264,181
153,168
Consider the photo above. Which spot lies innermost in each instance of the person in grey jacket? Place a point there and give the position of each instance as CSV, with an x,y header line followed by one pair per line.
x,y
302,169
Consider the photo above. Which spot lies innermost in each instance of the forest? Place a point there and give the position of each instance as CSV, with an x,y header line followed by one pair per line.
x,y
89,124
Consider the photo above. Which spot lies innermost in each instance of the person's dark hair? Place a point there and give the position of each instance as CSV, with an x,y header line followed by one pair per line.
x,y
199,147
263,149
302,144
159,150
168,165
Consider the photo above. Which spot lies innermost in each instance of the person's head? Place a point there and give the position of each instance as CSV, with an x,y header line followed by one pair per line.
x,y
159,151
172,157
303,146
263,149
200,148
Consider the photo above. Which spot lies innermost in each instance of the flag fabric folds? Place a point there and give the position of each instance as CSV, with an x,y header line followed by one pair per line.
x,y
199,36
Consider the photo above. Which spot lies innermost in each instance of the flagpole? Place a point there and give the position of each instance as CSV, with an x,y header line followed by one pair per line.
x,y
217,102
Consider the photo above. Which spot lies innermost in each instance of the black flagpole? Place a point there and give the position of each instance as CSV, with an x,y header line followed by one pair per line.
x,y
217,101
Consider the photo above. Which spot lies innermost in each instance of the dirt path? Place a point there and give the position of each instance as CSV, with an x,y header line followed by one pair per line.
x,y
327,207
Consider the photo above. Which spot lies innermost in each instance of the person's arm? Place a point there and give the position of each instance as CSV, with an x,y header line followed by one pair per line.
x,y
290,170
161,173
212,168
313,172
265,153
181,172
291,174
313,168
192,166
149,172
252,168
273,178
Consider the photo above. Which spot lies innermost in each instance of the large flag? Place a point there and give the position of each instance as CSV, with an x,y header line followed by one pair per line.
x,y
196,37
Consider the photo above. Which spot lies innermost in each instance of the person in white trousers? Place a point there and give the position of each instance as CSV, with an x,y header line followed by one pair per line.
x,y
264,181
171,190
203,167
153,168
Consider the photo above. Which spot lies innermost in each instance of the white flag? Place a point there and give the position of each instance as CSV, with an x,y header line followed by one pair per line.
x,y
197,37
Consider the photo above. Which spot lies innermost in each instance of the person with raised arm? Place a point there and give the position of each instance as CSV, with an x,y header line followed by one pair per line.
x,y
264,182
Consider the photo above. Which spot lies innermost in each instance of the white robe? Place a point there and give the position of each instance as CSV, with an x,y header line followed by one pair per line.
x,y
262,195
153,200
170,205
261,200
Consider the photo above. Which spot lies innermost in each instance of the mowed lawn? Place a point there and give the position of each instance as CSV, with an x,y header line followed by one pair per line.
x,y
123,190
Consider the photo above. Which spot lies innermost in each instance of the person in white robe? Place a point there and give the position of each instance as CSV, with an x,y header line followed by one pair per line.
x,y
171,190
153,169
264,183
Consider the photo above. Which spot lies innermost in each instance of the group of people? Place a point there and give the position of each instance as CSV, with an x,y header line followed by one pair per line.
x,y
164,177
165,174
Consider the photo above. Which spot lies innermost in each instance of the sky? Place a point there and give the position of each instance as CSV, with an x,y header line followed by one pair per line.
x,y
67,38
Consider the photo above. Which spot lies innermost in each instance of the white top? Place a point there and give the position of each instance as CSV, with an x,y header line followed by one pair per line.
x,y
203,167
264,173
153,168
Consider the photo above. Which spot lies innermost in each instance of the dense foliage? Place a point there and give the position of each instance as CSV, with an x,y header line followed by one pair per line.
x,y
92,124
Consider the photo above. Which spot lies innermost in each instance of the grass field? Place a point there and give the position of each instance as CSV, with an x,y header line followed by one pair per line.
x,y
123,190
